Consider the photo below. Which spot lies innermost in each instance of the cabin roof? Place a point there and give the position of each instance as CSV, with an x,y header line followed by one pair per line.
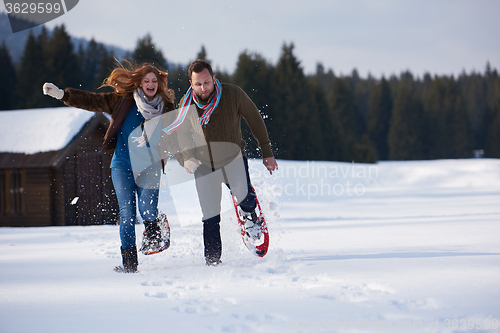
x,y
40,137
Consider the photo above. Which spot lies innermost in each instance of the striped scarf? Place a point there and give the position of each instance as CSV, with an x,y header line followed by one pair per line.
x,y
207,108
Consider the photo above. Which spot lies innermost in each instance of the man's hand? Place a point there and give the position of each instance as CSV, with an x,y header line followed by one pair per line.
x,y
270,164
191,165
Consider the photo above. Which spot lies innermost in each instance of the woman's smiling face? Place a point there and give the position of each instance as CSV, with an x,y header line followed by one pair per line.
x,y
149,84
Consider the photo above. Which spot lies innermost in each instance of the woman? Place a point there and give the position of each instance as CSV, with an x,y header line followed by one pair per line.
x,y
140,94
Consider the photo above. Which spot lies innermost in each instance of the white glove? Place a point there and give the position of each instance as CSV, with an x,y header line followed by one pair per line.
x,y
52,90
191,165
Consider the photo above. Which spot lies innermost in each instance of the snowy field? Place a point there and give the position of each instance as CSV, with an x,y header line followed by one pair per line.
x,y
396,246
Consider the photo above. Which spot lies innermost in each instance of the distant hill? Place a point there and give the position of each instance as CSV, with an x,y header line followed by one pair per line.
x,y
15,42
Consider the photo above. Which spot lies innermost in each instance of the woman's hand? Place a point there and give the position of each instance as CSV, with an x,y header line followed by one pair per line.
x,y
52,90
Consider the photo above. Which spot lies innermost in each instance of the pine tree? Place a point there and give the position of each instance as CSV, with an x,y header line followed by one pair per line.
x,y
31,74
253,75
328,131
62,63
316,143
474,91
448,134
91,61
434,119
352,128
107,64
406,131
458,129
146,52
492,144
296,123
324,79
178,80
222,75
8,79
203,54
362,91
379,117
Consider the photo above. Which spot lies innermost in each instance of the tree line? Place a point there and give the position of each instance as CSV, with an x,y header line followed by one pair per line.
x,y
319,116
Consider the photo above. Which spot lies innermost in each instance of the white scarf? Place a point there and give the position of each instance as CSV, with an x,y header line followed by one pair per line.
x,y
149,110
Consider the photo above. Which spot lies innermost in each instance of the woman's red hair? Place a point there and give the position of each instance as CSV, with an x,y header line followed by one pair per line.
x,y
126,80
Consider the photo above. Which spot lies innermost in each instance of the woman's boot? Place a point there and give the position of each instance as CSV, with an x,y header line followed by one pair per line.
x,y
129,260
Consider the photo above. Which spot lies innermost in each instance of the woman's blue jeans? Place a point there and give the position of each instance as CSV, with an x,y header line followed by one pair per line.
x,y
126,190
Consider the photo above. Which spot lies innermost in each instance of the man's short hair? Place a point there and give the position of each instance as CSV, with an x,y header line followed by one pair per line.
x,y
198,66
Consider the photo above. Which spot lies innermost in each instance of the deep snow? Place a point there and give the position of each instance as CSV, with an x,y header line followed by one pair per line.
x,y
396,246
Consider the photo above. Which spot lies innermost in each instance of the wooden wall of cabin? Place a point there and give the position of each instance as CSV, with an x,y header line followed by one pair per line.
x,y
70,200
43,196
87,176
28,198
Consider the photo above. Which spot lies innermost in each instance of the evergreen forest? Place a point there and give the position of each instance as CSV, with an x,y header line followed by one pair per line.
x,y
319,116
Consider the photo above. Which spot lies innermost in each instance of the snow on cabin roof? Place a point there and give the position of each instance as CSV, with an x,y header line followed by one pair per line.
x,y
40,130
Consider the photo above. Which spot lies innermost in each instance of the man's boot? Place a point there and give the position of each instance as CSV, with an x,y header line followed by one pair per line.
x,y
212,241
151,237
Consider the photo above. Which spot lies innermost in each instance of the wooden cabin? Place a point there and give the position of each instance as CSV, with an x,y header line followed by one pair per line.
x,y
51,170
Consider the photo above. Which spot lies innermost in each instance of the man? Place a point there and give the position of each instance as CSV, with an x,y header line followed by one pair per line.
x,y
212,148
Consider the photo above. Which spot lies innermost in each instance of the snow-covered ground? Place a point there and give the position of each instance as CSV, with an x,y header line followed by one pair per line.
x,y
396,246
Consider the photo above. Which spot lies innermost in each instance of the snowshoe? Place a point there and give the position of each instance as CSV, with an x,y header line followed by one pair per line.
x,y
253,229
252,225
156,236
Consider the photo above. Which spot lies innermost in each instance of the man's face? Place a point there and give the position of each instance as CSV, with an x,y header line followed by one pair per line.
x,y
203,84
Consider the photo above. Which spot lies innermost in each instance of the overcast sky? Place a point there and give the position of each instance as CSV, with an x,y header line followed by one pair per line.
x,y
378,36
